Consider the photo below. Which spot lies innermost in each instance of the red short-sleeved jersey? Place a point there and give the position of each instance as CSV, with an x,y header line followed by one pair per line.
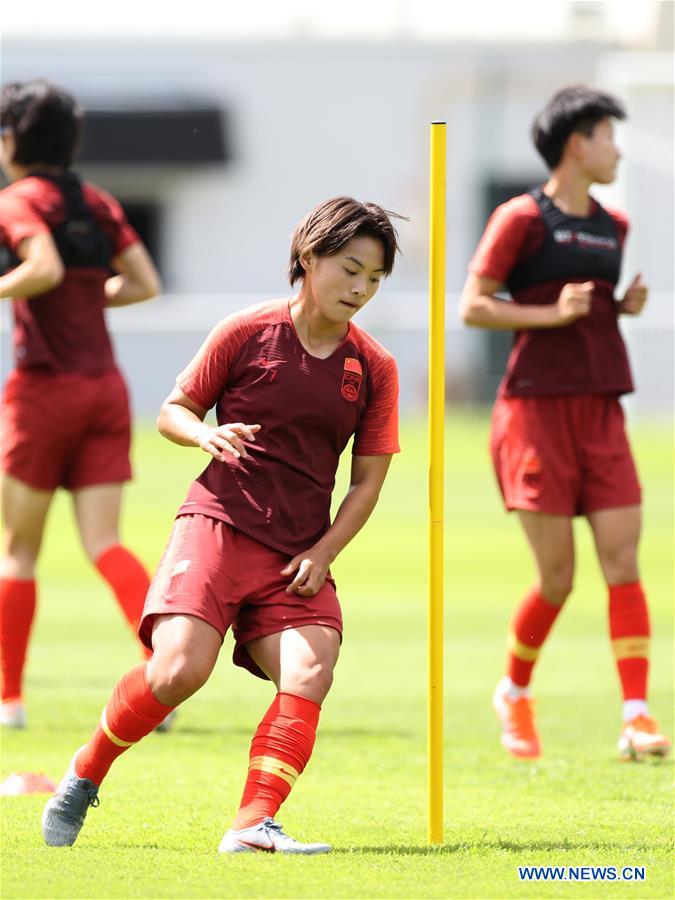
x,y
534,249
62,330
254,369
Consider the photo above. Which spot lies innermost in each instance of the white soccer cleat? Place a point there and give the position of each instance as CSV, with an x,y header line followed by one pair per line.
x,y
266,837
167,723
640,738
12,714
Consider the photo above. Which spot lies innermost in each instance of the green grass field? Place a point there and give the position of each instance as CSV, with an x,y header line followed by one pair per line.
x,y
166,803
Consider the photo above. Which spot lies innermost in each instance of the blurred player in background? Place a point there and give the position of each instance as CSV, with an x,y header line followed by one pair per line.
x,y
558,440
292,381
65,418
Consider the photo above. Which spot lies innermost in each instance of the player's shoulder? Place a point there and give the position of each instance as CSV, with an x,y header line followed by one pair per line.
x,y
100,200
523,208
260,314
372,349
251,320
619,217
94,193
39,193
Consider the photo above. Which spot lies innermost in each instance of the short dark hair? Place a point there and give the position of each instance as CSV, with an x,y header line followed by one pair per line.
x,y
46,122
332,224
576,108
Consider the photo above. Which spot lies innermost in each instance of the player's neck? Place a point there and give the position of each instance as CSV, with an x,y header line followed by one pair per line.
x,y
16,171
318,335
570,192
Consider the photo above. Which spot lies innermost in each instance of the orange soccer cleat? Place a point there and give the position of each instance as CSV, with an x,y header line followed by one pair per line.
x,y
519,734
641,738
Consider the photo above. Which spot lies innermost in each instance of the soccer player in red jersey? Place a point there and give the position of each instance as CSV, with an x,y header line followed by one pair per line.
x,y
558,441
291,381
65,417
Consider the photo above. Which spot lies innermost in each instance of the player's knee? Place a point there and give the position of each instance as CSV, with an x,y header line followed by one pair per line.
x,y
19,556
556,587
174,678
313,681
95,546
620,565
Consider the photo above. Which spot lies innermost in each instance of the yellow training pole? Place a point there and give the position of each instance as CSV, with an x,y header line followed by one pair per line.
x,y
436,436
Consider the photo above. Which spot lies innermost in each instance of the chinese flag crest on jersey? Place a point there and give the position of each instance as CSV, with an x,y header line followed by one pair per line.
x,y
352,377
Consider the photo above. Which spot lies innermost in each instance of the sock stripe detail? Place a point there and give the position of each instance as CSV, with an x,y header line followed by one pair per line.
x,y
274,767
631,647
113,737
521,650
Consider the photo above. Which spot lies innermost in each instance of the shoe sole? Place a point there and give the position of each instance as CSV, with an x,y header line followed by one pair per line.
x,y
517,753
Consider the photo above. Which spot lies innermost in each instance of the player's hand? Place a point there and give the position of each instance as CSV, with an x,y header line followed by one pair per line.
x,y
635,297
574,302
310,570
225,440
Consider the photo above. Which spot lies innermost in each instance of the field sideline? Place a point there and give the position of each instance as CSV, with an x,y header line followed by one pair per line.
x,y
166,803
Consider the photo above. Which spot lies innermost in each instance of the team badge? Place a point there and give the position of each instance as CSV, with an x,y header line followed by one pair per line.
x,y
351,379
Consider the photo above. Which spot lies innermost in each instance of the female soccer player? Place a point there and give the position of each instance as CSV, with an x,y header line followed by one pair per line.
x,y
65,417
558,441
292,381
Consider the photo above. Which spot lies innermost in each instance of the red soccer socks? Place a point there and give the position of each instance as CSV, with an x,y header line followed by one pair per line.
x,y
280,750
132,712
17,611
629,632
529,628
129,581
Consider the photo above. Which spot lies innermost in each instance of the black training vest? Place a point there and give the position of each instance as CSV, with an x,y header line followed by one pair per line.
x,y
574,249
79,238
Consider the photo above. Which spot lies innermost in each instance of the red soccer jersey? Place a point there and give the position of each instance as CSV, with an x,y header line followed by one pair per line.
x,y
62,330
534,249
254,369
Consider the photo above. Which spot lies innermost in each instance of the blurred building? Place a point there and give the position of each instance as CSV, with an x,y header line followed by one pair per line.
x,y
217,145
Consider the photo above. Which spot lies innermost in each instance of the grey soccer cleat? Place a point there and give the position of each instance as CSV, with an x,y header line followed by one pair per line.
x,y
267,837
65,812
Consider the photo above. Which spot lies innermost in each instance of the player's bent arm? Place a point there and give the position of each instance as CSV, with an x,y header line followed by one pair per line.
x,y
311,567
181,421
137,277
41,268
367,477
479,308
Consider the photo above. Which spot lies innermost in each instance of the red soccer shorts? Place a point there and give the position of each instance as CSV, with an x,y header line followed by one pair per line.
x,y
66,430
221,575
564,456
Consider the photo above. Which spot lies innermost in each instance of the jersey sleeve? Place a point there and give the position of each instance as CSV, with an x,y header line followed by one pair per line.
x,y
504,238
112,219
19,219
205,378
622,223
377,434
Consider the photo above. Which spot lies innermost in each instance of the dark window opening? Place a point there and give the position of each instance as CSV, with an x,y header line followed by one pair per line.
x,y
145,217
155,135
